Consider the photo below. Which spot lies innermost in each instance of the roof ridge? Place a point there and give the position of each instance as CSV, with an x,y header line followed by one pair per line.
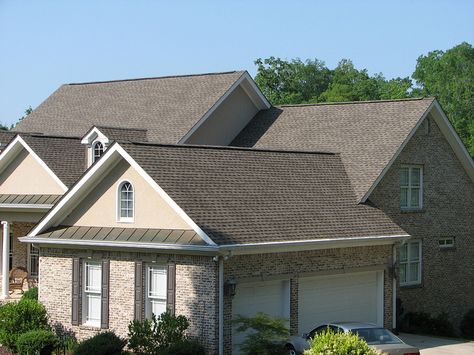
x,y
219,147
357,102
157,77
41,135
122,128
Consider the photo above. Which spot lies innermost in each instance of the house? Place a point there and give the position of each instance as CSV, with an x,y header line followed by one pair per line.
x,y
350,204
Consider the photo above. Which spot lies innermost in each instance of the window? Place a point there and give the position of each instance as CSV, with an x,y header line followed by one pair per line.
x,y
33,261
411,186
155,291
445,243
125,202
92,293
97,151
410,263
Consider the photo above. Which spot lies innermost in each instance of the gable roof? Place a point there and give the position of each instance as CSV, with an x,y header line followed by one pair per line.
x,y
168,107
367,134
63,157
5,138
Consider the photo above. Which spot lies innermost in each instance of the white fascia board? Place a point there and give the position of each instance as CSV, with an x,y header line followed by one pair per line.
x,y
311,244
397,153
129,245
94,134
19,206
245,76
13,148
51,218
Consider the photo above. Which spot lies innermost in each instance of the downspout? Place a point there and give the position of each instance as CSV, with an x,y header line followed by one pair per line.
x,y
394,289
221,305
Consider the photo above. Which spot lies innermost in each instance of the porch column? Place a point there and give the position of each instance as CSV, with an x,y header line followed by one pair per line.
x,y
5,260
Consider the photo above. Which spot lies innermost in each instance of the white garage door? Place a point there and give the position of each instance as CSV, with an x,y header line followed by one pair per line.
x,y
346,297
270,297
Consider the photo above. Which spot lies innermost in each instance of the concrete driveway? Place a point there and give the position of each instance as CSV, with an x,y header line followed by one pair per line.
x,y
440,346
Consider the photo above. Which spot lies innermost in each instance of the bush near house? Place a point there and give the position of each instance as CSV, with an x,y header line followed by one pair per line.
x,y
31,294
467,324
267,335
424,323
21,317
338,343
34,342
162,335
106,343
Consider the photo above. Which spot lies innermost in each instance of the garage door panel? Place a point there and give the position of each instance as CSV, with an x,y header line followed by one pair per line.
x,y
346,297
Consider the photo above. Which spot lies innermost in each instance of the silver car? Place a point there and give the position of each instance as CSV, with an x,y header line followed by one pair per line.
x,y
380,339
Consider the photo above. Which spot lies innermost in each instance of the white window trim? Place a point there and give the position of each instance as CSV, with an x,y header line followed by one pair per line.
x,y
85,292
148,299
409,207
121,219
94,144
446,246
91,147
418,281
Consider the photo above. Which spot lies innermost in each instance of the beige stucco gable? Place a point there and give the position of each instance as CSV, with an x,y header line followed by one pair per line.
x,y
25,175
99,207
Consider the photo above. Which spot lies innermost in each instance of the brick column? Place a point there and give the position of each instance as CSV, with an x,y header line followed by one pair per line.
x,y
294,306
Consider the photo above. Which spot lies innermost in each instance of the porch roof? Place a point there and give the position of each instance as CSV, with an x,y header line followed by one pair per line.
x,y
122,235
10,200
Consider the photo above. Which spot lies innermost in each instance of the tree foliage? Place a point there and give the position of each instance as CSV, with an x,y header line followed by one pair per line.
x,y
338,343
449,75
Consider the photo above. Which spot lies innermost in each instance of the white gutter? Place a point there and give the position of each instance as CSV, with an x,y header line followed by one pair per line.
x,y
311,244
221,305
108,244
30,206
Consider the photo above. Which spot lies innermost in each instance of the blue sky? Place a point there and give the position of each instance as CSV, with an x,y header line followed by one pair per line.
x,y
44,44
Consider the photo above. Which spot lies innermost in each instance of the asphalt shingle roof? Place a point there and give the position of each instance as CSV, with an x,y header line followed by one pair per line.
x,y
367,134
248,196
124,134
168,107
65,156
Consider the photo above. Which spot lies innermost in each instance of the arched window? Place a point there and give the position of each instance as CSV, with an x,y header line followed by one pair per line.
x,y
125,202
97,151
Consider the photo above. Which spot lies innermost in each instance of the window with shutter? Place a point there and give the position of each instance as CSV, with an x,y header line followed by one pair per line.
x,y
92,305
156,290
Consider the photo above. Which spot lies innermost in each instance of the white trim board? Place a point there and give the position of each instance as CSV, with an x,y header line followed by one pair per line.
x,y
449,133
110,158
264,104
9,154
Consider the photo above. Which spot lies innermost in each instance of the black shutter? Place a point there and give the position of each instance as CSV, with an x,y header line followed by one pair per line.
x,y
76,291
171,289
139,290
104,316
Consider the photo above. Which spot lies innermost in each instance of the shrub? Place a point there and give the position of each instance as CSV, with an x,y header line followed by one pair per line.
x,y
20,317
338,343
420,322
467,324
34,342
157,334
31,294
184,347
106,343
265,336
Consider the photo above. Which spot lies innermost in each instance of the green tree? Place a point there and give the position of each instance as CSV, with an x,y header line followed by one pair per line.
x,y
295,81
449,75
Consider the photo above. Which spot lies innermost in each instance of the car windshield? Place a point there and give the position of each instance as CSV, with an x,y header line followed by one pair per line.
x,y
374,336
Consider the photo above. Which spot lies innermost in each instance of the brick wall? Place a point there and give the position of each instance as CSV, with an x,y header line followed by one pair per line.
x,y
291,265
196,291
448,211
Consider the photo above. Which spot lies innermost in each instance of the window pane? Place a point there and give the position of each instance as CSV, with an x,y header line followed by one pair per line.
x,y
404,197
93,277
415,197
158,307
403,273
157,279
93,308
404,177
403,252
414,272
415,176
414,251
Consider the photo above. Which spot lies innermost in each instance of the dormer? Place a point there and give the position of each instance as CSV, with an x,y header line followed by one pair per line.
x,y
96,143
